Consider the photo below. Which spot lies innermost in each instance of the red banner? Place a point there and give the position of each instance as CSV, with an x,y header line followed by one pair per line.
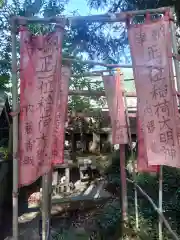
x,y
40,63
151,52
59,134
142,161
109,86
114,94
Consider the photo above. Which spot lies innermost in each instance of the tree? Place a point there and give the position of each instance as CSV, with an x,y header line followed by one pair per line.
x,y
88,39
129,5
112,6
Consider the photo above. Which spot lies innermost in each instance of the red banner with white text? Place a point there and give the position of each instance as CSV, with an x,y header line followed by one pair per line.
x,y
114,93
59,133
142,161
151,51
40,64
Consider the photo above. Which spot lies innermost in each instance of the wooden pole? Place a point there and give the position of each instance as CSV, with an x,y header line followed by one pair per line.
x,y
97,73
174,235
90,62
175,50
123,184
15,132
134,166
49,203
95,93
123,174
130,142
160,202
105,18
46,204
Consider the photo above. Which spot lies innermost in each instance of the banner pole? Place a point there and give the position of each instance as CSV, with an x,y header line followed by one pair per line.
x,y
160,202
175,51
176,64
46,203
134,176
132,155
123,184
123,178
115,17
134,166
15,132
49,203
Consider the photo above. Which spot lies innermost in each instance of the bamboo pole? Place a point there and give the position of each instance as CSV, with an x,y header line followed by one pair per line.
x,y
49,203
160,202
91,62
122,168
123,184
95,93
97,73
174,235
134,172
132,114
175,52
105,18
15,132
134,167
46,204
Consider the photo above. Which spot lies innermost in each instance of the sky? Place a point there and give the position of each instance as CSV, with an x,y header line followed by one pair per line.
x,y
82,7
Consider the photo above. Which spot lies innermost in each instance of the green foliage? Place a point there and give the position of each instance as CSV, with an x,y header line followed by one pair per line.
x,y
70,234
88,39
78,103
3,153
129,5
108,218
113,6
149,183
